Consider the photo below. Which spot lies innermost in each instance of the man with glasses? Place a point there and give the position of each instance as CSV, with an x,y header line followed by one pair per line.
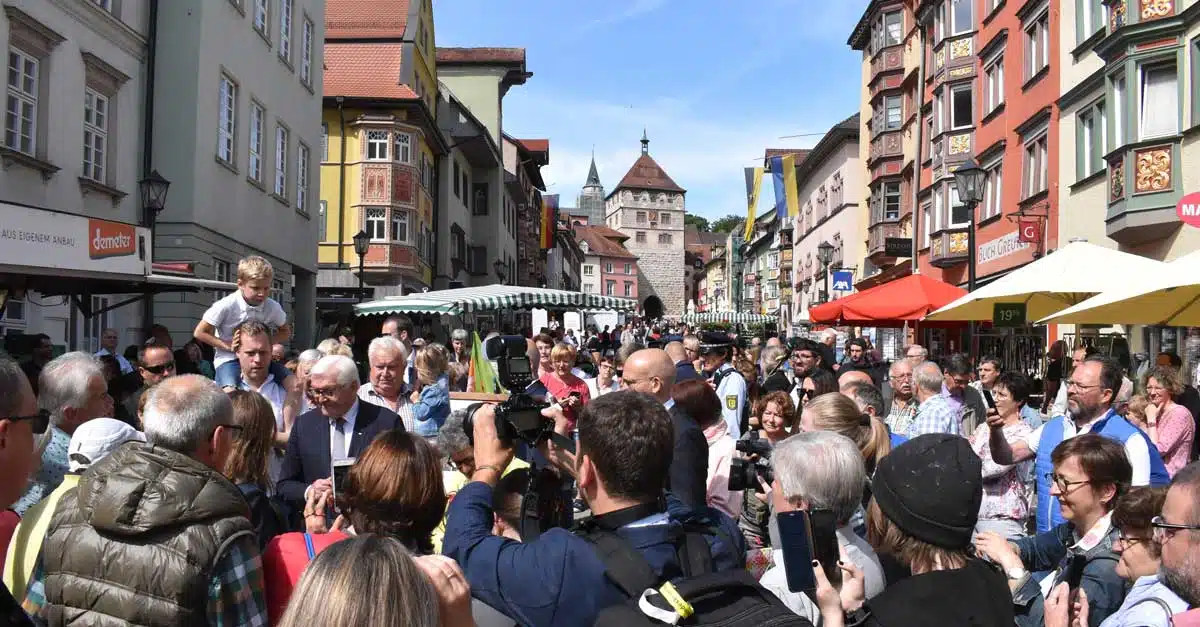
x,y
1091,391
155,363
1177,532
916,355
20,421
902,409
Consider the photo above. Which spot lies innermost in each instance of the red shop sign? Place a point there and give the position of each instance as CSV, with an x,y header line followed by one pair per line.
x,y
1188,209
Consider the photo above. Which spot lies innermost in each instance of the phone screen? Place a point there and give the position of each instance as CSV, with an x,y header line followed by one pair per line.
x,y
987,396
795,535
341,470
825,543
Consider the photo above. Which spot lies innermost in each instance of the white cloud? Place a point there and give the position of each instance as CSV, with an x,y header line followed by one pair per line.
x,y
629,10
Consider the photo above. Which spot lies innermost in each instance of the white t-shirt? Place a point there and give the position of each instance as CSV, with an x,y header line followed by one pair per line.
x,y
1135,447
226,314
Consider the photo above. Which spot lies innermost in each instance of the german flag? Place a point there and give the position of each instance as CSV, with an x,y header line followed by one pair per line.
x,y
549,220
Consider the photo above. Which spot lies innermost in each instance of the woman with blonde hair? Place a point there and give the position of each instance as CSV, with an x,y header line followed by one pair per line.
x,y
837,413
249,462
568,390
431,395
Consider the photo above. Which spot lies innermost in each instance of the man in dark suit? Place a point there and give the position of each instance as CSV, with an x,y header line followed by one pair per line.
x,y
340,427
652,371
684,370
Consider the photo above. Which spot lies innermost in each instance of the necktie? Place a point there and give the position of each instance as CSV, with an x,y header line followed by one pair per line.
x,y
338,442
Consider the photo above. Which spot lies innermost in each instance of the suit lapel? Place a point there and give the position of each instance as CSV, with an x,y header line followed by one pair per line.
x,y
362,425
321,439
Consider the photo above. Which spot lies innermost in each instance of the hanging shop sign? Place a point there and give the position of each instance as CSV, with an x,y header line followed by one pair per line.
x,y
1029,230
897,246
50,239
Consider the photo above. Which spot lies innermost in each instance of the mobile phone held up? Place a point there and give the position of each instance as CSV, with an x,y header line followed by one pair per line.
x,y
991,402
341,470
795,535
823,524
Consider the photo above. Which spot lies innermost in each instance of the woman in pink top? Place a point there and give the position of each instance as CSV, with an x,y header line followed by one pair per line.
x,y
1169,424
698,400
567,389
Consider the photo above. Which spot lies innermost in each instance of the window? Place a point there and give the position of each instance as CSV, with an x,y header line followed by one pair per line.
x,y
664,238
1090,18
939,23
991,193
891,200
1158,111
962,15
457,187
377,145
608,267
641,217
260,17
1119,112
588,270
306,52
993,85
20,126
893,107
939,112
628,289
324,142
610,288
639,237
220,273
399,225
95,134
285,30
322,225
1092,128
961,106
257,128
227,122
277,290
281,152
939,209
375,224
1035,166
1037,45
927,225
104,4
960,215
893,28
664,218
403,148
302,177
629,268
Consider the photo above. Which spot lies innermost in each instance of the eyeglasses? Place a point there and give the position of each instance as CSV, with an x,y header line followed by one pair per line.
x,y
900,377
1079,386
1164,530
1064,485
1130,540
236,429
161,368
323,393
38,422
808,393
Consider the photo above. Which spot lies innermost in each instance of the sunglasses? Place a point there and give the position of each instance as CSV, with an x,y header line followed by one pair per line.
x,y
39,422
809,394
161,368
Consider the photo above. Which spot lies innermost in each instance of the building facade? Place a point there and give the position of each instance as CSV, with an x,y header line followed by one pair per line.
x,y
649,207
714,293
525,187
380,156
608,267
590,202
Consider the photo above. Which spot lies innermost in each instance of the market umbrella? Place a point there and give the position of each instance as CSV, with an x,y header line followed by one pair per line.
x,y
1066,277
891,304
1169,296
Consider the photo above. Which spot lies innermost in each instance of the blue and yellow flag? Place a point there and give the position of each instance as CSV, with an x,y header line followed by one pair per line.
x,y
754,178
787,195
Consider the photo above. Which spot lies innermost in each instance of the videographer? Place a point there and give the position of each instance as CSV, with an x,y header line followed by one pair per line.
x,y
622,463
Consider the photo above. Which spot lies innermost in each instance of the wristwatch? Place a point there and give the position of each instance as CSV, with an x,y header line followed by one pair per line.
x,y
1017,573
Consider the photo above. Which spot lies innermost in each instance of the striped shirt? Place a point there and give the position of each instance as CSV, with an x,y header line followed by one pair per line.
x,y
402,407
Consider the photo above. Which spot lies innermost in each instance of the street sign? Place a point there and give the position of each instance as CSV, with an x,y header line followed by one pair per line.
x,y
897,246
1008,315
843,281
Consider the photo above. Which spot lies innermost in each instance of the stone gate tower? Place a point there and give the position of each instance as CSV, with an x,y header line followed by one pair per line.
x,y
649,207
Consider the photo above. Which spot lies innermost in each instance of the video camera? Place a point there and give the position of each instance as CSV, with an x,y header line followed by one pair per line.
x,y
520,416
745,474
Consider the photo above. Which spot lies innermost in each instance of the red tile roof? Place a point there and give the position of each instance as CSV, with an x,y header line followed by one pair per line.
x,y
481,55
604,241
647,174
535,145
365,70
366,19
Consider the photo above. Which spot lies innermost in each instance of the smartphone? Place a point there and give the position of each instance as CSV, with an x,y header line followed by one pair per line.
x,y
825,543
1073,574
987,396
795,535
341,470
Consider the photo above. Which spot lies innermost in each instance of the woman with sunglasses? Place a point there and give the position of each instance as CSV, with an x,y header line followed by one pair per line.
x,y
1091,472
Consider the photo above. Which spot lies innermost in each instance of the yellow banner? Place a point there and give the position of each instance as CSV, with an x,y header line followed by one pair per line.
x,y
789,185
752,201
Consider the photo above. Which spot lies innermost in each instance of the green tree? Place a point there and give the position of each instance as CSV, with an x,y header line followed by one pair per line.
x,y
727,224
699,222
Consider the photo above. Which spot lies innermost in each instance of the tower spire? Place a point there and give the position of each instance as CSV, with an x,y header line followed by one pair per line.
x,y
645,142
593,178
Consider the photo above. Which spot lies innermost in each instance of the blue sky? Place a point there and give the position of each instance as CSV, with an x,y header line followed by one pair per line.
x,y
714,82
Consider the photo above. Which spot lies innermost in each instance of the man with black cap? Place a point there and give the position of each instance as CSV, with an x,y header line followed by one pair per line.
x,y
928,493
715,352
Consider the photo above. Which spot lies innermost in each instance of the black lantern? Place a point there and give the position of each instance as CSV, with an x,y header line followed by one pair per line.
x,y
153,190
825,253
498,267
969,178
362,243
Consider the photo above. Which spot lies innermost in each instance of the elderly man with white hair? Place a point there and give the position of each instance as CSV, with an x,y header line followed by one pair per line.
x,y
386,387
820,470
72,388
339,428
935,414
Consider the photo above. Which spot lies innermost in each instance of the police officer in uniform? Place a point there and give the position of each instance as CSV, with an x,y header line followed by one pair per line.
x,y
716,349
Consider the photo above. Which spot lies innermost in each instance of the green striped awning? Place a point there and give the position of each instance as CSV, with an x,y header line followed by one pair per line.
x,y
492,298
735,317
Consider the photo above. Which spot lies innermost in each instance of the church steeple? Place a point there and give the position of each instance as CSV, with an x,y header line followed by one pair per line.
x,y
593,178
645,142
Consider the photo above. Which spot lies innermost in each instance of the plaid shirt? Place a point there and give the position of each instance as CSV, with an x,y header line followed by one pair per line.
x,y
936,415
900,417
403,408
236,592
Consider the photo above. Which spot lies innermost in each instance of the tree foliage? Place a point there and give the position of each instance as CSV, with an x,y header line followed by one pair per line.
x,y
727,224
701,223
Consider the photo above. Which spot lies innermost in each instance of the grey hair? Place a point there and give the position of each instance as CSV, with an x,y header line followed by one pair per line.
x,y
866,395
327,346
12,382
823,468
924,351
459,334
827,334
451,438
310,356
386,344
773,355
896,365
64,382
927,376
340,366
184,411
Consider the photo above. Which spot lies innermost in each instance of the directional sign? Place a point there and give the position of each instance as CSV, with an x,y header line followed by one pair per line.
x,y
843,281
1008,315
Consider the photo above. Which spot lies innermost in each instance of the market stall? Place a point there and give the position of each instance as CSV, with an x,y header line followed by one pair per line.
x,y
893,304
730,317
492,298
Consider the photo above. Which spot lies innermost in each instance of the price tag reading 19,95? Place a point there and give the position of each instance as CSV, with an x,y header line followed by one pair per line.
x,y
1008,315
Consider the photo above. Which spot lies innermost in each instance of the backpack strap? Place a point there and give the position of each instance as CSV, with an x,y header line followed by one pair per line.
x,y
695,558
623,565
1161,604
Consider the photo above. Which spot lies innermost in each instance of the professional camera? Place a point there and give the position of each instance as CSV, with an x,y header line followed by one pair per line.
x,y
744,474
520,417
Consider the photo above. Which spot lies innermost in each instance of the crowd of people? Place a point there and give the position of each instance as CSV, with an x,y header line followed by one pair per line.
x,y
234,483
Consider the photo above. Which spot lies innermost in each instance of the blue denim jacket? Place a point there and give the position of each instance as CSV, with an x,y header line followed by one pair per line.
x,y
432,409
1050,551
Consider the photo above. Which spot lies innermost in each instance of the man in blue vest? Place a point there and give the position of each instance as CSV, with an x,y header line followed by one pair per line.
x,y
1091,390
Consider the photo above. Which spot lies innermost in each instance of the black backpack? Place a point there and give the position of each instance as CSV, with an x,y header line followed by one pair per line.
x,y
700,597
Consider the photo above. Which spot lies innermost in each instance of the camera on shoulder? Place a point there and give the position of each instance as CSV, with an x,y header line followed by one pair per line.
x,y
519,418
745,474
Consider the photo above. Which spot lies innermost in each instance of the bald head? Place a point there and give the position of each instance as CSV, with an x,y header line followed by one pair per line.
x,y
850,377
650,371
676,351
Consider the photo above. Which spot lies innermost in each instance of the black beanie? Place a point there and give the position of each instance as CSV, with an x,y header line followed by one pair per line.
x,y
931,487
